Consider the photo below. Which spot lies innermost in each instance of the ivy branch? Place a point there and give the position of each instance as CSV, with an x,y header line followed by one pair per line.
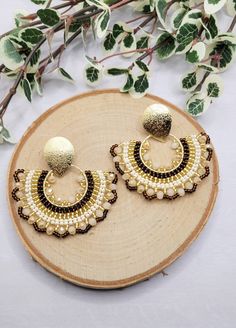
x,y
159,29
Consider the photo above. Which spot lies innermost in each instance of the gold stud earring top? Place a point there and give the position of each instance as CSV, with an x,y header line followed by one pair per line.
x,y
59,153
157,120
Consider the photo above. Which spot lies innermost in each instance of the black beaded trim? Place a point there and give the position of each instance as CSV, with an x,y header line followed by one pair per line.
x,y
13,194
163,175
149,197
112,150
210,153
117,166
21,214
208,140
191,190
113,200
115,180
207,169
130,187
64,209
15,175
171,197
103,217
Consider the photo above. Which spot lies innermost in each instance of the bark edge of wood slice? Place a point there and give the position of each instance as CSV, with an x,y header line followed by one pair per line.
x,y
138,238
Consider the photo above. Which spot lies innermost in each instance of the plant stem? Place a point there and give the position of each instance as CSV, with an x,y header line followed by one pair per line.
x,y
37,22
79,15
232,25
123,53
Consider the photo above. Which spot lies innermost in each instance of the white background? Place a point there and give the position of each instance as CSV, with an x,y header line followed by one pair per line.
x,y
200,289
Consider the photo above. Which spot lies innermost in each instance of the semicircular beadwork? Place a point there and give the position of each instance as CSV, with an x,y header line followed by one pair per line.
x,y
194,153
38,206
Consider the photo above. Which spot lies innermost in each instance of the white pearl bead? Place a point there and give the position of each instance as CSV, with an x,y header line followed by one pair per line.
x,y
41,224
82,226
140,189
61,230
72,230
132,183
92,222
117,159
188,185
170,192
99,213
181,192
50,230
32,219
113,186
118,150
106,205
160,194
150,192
26,211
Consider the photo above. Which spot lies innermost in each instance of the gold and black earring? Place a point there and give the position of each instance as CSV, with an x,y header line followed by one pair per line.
x,y
188,169
39,206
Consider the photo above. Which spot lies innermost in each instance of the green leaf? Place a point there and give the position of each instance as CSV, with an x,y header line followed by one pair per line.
x,y
34,62
38,85
92,75
9,55
128,84
196,53
186,33
195,15
197,104
161,6
207,67
166,45
5,135
109,43
31,35
189,81
91,61
142,43
225,54
128,43
177,17
117,71
213,85
140,87
65,74
49,17
142,66
212,6
98,4
75,25
211,28
39,2
213,90
102,23
27,89
117,30
128,40
227,38
19,18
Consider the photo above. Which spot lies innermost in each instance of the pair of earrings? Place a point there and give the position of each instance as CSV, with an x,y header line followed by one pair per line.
x,y
38,204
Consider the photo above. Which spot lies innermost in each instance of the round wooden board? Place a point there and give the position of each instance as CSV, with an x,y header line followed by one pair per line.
x,y
138,238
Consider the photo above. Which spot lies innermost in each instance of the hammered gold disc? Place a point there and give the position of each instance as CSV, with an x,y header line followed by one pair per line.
x,y
59,153
157,120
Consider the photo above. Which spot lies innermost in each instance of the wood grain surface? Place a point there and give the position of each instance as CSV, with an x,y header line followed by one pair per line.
x,y
138,238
